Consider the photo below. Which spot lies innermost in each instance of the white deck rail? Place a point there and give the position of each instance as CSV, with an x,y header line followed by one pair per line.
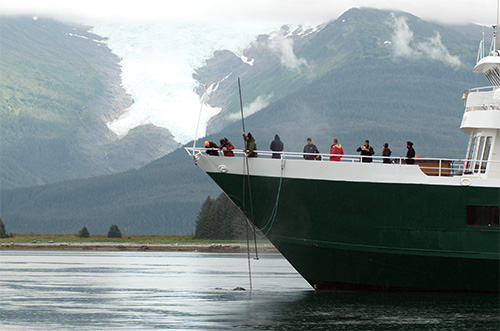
x,y
442,167
482,98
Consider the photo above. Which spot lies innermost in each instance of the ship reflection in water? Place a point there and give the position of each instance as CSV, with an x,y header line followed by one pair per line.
x,y
95,290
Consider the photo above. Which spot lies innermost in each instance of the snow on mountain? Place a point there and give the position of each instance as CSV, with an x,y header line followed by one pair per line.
x,y
158,61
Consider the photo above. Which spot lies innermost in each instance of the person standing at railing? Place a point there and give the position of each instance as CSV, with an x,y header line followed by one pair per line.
x,y
386,153
309,149
366,150
277,146
251,145
211,148
410,154
226,147
336,150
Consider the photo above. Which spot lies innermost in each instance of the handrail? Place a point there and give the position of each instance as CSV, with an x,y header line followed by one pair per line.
x,y
446,167
483,89
481,98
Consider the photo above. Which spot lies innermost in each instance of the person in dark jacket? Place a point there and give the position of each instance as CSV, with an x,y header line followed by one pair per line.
x,y
251,145
410,155
211,148
310,148
226,147
386,153
276,146
367,150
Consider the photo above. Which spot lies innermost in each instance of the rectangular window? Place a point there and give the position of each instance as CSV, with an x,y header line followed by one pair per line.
x,y
483,215
486,154
477,157
472,149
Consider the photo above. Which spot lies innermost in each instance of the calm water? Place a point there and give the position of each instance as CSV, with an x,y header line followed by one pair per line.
x,y
150,290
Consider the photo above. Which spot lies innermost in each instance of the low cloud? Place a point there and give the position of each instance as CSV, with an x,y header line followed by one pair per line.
x,y
433,48
282,45
261,102
402,37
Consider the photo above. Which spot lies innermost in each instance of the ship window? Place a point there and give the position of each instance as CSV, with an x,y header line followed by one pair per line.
x,y
472,149
477,156
493,76
483,215
486,154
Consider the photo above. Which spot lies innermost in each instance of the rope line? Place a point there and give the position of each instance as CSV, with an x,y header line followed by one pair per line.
x,y
272,218
249,190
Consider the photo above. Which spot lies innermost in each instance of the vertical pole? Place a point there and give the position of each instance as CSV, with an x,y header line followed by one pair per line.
x,y
248,259
199,116
496,35
241,107
249,190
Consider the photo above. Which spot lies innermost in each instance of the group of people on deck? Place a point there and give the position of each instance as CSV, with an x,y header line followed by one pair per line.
x,y
310,151
366,151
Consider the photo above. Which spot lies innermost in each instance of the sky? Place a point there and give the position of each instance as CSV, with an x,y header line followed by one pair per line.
x,y
246,11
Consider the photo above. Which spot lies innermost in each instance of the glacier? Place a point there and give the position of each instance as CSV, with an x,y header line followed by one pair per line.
x,y
158,60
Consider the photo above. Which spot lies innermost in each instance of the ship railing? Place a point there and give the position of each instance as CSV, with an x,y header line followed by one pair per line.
x,y
482,98
441,167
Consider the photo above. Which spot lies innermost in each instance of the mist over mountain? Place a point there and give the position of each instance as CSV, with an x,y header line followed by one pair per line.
x,y
371,74
60,86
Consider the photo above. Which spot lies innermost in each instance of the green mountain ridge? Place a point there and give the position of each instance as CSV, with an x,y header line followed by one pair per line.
x,y
353,87
60,85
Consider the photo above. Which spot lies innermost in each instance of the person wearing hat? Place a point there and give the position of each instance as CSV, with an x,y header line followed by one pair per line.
x,y
226,147
211,148
309,149
410,154
386,153
366,150
276,146
251,147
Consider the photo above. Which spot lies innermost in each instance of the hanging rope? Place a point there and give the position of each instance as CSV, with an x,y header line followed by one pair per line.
x,y
245,161
272,218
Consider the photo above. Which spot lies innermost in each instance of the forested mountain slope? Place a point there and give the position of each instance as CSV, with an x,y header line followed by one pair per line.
x,y
59,86
370,74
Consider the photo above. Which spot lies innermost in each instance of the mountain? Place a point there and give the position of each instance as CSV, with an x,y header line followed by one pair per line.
x,y
162,197
141,145
371,74
60,86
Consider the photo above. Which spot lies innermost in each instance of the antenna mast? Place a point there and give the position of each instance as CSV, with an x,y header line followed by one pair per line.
x,y
496,35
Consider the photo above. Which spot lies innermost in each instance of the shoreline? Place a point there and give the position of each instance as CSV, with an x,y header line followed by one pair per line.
x,y
144,247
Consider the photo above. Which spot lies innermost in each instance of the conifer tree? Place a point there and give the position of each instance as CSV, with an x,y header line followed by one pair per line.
x,y
220,219
84,233
3,232
114,232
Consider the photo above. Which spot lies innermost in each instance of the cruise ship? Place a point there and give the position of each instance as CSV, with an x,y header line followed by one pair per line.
x,y
428,226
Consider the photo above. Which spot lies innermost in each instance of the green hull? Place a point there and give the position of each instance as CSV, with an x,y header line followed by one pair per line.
x,y
373,236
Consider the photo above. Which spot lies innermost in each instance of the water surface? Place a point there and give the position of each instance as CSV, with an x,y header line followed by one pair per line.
x,y
189,290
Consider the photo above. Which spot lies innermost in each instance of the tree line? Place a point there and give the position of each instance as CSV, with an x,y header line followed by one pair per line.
x,y
114,232
220,219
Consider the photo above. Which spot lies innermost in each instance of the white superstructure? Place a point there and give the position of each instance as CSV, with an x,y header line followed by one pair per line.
x,y
481,119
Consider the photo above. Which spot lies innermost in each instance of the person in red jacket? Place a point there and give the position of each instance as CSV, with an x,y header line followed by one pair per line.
x,y
226,147
336,150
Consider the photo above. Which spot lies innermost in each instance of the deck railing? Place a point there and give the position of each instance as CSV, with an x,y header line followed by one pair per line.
x,y
482,98
442,167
